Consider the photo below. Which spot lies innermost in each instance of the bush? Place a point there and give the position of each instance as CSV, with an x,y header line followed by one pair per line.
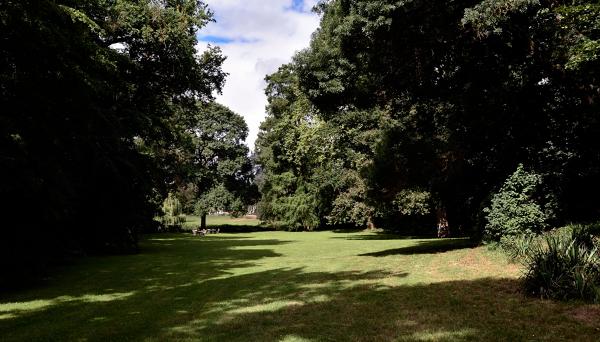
x,y
563,267
516,209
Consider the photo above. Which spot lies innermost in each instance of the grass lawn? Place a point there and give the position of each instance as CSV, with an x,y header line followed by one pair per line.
x,y
193,221
280,286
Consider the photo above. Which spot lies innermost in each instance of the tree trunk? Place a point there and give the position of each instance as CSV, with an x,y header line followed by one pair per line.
x,y
203,221
443,228
370,224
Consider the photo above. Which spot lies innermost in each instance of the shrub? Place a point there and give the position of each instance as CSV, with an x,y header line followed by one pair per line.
x,y
563,267
516,209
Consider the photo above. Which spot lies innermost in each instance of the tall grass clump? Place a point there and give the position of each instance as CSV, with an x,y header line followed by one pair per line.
x,y
564,265
518,247
586,234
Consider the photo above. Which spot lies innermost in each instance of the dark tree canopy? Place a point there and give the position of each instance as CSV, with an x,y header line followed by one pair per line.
x,y
95,96
434,105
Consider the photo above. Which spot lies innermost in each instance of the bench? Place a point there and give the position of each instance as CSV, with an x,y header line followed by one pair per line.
x,y
199,232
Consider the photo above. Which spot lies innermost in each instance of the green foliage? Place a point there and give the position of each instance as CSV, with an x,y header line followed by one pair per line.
x,y
581,23
291,147
485,17
173,216
308,160
237,208
560,264
187,195
456,93
298,211
588,51
217,157
413,202
517,247
349,206
516,208
563,268
95,100
216,199
587,235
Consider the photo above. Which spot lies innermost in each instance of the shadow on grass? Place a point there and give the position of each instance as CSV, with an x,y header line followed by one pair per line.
x,y
218,290
227,228
359,307
348,230
380,236
427,247
233,228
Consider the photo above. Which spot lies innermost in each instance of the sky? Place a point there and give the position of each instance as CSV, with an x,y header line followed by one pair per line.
x,y
257,36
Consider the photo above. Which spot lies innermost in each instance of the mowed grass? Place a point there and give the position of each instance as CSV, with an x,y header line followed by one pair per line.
x,y
193,221
281,286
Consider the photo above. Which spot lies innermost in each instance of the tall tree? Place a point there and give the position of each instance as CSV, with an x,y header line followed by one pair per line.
x,y
94,95
219,161
459,94
311,167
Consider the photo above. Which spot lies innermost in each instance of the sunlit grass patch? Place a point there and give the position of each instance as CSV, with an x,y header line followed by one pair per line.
x,y
282,286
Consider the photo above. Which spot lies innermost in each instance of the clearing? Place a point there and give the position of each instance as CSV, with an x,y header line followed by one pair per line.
x,y
283,286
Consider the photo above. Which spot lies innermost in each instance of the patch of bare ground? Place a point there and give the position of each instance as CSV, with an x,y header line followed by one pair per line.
x,y
476,259
587,314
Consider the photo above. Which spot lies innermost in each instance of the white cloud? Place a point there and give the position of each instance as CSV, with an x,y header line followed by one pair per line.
x,y
259,36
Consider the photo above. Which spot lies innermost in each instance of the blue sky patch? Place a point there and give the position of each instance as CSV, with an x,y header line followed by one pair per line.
x,y
215,39
297,6
225,40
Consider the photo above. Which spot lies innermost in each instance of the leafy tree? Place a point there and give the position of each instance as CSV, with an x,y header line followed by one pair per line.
x,y
308,160
218,199
287,151
95,96
465,91
217,160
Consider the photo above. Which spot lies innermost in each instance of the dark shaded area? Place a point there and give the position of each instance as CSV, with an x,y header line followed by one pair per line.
x,y
427,247
88,134
378,236
433,105
227,228
348,230
181,288
408,225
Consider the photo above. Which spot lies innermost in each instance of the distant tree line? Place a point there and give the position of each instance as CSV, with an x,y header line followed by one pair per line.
x,y
418,115
106,106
